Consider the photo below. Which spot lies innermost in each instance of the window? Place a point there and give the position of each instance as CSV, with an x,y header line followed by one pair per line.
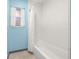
x,y
17,17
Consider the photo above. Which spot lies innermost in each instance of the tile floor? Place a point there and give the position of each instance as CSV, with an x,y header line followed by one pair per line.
x,y
21,55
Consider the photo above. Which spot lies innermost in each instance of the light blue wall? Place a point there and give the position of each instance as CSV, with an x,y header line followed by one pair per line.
x,y
17,37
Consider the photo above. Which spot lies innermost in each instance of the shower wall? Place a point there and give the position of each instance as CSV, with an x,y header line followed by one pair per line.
x,y
52,28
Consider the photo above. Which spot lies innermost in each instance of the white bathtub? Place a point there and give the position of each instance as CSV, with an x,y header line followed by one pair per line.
x,y
41,54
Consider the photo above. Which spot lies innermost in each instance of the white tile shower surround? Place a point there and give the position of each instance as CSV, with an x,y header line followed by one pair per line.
x,y
21,55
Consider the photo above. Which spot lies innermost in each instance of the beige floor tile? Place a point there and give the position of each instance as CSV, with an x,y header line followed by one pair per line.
x,y
21,55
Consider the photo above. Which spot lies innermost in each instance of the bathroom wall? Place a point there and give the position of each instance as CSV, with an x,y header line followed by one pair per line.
x,y
53,29
17,36
31,28
35,11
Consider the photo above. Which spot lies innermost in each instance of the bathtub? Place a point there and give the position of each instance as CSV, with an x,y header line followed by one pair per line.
x,y
41,54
